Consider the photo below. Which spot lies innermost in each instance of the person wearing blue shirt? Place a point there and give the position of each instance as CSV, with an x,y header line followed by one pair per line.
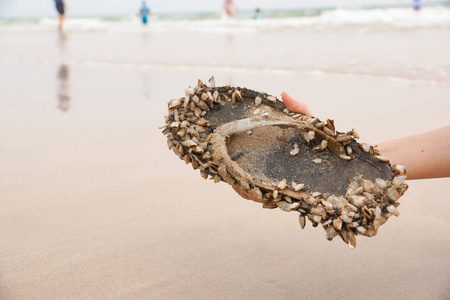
x,y
60,7
257,13
417,4
145,12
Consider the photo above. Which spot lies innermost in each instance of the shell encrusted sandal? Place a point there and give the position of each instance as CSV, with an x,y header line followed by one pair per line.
x,y
284,159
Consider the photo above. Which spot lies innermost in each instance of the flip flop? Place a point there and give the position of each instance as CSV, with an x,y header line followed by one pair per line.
x,y
284,159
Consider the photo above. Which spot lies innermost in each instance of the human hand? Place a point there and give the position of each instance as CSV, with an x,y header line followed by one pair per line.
x,y
294,106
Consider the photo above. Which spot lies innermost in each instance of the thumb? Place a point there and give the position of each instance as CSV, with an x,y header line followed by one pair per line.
x,y
294,105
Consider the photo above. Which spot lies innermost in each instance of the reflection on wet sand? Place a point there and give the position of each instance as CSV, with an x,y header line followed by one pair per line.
x,y
63,96
63,88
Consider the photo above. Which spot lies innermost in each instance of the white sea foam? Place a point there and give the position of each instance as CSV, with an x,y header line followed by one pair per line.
x,y
337,19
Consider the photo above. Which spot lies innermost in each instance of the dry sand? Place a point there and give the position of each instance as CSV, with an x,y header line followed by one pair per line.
x,y
94,206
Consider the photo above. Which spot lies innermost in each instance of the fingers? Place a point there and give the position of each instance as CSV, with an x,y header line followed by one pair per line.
x,y
294,105
244,194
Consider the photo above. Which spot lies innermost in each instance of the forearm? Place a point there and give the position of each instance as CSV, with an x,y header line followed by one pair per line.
x,y
425,155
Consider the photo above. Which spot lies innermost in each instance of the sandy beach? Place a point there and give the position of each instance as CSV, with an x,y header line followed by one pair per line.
x,y
94,205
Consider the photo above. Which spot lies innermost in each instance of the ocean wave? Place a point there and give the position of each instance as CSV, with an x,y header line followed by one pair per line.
x,y
336,19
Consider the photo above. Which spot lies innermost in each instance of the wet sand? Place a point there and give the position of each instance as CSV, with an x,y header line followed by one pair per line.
x,y
94,206
417,55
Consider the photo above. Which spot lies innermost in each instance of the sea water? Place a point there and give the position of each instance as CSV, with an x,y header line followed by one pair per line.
x,y
272,21
393,43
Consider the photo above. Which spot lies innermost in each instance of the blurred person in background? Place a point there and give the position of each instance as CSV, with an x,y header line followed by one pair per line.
x,y
230,8
60,7
257,13
144,12
417,4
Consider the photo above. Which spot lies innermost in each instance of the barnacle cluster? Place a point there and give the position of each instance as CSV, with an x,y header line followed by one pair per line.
x,y
199,125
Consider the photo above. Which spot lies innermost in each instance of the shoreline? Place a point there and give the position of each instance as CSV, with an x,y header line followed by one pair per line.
x,y
408,56
315,74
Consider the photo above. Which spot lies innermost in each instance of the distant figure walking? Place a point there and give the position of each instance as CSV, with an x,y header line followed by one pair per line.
x,y
417,4
257,13
60,7
144,12
230,8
